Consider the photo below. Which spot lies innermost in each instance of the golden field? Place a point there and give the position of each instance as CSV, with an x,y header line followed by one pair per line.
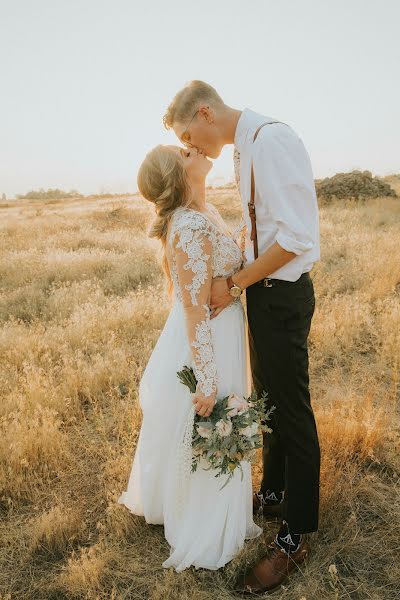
x,y
82,303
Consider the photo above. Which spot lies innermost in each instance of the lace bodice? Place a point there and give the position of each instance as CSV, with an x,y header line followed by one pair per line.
x,y
199,249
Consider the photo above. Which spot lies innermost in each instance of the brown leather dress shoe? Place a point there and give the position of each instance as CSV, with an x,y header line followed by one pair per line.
x,y
272,570
267,510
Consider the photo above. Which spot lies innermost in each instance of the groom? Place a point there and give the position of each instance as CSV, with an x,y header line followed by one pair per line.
x,y
280,211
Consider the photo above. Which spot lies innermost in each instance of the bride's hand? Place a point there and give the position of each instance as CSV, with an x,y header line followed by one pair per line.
x,y
203,404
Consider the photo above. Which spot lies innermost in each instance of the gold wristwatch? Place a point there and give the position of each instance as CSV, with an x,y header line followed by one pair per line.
x,y
234,289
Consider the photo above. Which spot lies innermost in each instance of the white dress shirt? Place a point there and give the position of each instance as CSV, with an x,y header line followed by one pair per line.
x,y
285,198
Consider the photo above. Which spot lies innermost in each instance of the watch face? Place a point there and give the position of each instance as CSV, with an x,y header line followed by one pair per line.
x,y
235,291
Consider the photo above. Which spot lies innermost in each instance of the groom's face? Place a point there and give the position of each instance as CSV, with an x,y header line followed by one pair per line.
x,y
195,163
200,132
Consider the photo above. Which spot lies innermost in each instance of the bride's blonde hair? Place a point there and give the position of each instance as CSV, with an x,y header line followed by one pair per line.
x,y
162,180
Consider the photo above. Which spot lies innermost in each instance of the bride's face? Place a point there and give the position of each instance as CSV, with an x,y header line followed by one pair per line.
x,y
196,164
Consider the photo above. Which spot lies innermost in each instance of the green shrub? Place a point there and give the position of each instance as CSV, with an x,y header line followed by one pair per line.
x,y
355,184
50,194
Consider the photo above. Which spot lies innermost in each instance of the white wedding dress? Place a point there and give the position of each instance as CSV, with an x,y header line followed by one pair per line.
x,y
205,527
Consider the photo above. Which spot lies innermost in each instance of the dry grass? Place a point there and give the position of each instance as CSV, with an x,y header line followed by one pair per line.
x,y
81,306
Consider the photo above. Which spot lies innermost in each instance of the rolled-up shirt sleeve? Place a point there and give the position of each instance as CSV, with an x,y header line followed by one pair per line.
x,y
284,182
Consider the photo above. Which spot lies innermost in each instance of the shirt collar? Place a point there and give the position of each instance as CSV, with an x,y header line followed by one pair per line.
x,y
248,122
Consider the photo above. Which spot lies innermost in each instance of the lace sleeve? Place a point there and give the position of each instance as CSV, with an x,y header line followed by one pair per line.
x,y
192,250
239,235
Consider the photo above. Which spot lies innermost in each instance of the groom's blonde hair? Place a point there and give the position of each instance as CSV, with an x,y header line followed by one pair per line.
x,y
187,99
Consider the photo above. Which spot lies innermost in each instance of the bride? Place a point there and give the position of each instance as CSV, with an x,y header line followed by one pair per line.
x,y
204,526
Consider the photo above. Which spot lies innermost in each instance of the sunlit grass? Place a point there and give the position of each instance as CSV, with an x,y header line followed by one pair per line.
x,y
82,303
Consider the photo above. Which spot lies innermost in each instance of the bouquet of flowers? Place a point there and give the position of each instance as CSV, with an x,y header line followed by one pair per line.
x,y
231,433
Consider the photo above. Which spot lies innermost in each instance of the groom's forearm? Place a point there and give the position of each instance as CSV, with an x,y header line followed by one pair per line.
x,y
273,259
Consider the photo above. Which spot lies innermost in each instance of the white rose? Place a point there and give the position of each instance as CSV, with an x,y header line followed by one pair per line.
x,y
224,428
237,405
250,430
204,432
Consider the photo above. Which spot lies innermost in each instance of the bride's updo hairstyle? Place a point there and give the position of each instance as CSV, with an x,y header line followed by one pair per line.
x,y
162,180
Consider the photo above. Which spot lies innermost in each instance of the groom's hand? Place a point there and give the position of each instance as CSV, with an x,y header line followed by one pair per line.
x,y
220,296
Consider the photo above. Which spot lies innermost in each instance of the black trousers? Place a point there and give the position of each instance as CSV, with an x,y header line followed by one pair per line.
x,y
279,320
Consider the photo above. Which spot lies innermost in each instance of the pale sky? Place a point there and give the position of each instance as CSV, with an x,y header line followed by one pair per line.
x,y
85,83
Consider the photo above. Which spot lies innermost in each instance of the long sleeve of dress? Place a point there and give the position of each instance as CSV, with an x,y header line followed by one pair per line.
x,y
192,249
239,235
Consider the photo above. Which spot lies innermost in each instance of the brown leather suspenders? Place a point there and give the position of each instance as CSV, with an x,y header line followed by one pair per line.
x,y
252,208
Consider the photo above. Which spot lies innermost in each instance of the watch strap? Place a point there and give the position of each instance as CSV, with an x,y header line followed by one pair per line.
x,y
230,281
